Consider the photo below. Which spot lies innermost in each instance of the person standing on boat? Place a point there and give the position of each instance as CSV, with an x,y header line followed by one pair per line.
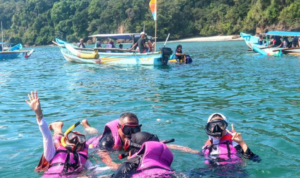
x,y
141,43
81,44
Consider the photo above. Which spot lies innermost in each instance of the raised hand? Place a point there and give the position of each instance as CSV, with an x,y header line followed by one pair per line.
x,y
237,137
34,103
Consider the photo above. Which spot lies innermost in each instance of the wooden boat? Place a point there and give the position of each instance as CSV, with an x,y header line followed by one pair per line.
x,y
14,52
73,55
122,56
252,42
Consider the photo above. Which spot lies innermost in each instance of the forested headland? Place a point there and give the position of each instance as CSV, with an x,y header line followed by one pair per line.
x,y
40,21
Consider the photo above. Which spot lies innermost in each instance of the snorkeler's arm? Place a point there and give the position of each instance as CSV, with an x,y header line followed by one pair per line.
x,y
106,159
242,146
183,149
49,149
34,103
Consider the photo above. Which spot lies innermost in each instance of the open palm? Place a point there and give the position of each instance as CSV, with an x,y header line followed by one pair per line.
x,y
34,102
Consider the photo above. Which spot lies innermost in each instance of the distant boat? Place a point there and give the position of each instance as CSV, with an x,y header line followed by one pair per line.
x,y
14,51
73,55
252,42
121,56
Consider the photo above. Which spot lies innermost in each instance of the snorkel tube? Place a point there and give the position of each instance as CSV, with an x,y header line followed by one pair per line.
x,y
63,139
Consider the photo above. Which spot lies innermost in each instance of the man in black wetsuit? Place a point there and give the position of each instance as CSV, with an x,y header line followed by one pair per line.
x,y
114,136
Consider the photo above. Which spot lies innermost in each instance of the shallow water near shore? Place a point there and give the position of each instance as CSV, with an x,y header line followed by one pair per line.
x,y
259,95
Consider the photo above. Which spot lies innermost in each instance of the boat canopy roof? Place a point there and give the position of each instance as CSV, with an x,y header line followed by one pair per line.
x,y
117,36
282,33
125,36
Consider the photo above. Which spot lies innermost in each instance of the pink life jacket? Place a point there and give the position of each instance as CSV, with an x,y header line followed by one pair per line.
x,y
222,153
113,127
65,163
156,160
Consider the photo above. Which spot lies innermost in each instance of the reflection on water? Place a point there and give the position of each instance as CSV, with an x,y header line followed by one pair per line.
x,y
259,95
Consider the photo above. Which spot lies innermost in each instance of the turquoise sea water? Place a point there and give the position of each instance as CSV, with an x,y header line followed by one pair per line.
x,y
259,95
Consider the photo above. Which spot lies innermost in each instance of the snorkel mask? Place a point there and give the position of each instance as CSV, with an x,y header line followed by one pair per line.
x,y
130,128
216,127
77,140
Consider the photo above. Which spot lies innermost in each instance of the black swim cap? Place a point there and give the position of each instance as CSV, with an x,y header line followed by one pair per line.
x,y
140,138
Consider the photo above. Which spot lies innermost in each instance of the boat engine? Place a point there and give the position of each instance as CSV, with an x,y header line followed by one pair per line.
x,y
165,54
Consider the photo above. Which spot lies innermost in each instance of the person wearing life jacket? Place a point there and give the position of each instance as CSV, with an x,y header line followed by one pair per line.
x,y
114,135
224,146
67,156
147,157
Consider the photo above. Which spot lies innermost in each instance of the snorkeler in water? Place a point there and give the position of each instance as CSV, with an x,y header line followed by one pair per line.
x,y
67,154
114,135
147,157
223,146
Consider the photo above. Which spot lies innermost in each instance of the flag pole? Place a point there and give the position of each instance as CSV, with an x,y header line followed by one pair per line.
x,y
2,35
155,23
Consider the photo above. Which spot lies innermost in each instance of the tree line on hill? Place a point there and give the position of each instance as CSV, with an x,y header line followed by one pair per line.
x,y
40,21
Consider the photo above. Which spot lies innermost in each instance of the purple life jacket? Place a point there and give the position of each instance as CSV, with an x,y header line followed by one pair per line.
x,y
156,160
222,153
113,127
65,163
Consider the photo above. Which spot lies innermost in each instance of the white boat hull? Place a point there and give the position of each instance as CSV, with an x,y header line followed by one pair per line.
x,y
131,58
71,58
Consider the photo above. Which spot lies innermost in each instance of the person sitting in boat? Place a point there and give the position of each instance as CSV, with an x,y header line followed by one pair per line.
x,y
275,41
223,146
148,44
68,154
120,46
81,44
285,43
98,44
141,43
110,44
260,40
147,157
114,136
295,42
153,45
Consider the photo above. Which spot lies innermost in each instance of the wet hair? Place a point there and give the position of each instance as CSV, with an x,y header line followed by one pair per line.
x,y
130,116
178,46
140,138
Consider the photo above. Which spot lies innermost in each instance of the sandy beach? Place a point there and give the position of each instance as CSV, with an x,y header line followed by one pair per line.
x,y
211,38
